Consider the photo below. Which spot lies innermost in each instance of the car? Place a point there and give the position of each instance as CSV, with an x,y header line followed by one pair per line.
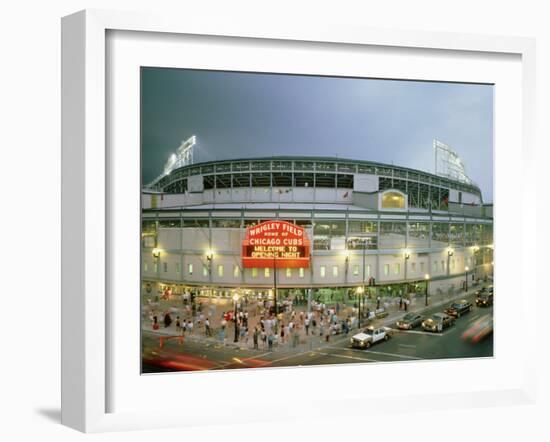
x,y
409,321
484,299
437,322
479,330
458,308
370,335
485,289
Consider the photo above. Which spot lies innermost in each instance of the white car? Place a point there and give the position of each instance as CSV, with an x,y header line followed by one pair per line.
x,y
369,336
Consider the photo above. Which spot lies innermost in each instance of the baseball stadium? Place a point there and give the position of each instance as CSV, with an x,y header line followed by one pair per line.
x,y
303,228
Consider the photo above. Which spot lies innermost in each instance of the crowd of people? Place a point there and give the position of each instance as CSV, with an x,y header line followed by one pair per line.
x,y
257,323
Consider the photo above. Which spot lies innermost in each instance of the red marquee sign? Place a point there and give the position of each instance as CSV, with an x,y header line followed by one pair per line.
x,y
277,244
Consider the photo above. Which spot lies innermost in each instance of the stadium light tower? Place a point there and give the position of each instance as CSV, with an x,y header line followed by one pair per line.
x,y
182,157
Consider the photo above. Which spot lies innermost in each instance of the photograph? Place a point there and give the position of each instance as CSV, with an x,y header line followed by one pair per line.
x,y
292,220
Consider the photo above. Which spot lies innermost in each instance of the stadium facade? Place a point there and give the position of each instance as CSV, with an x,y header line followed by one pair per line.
x,y
311,228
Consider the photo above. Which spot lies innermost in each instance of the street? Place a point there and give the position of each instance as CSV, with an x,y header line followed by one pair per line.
x,y
171,353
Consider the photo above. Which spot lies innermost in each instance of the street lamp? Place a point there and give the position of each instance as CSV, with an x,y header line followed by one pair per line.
x,y
235,300
156,253
209,258
346,267
360,290
427,278
275,284
406,255
450,252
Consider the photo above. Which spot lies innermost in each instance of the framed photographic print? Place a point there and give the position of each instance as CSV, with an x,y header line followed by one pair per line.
x,y
282,209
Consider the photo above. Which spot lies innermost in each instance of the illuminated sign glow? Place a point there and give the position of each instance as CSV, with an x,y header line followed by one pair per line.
x,y
278,244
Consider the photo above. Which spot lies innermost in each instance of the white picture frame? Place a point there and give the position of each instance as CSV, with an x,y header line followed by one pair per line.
x,y
86,208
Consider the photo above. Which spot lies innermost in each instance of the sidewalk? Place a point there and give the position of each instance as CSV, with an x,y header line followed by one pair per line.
x,y
305,343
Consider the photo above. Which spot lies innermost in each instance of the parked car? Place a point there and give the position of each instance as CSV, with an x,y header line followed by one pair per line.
x,y
369,336
458,308
479,330
409,321
437,322
484,299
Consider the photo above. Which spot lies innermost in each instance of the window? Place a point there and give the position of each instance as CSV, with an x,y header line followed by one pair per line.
x,y
355,270
190,269
442,265
204,270
303,180
362,226
456,234
362,242
325,179
236,271
367,271
413,267
165,267
289,273
254,272
301,272
419,235
155,267
144,266
440,233
393,234
393,200
220,270
323,271
335,271
226,223
386,269
397,268
422,267
435,266
266,272
177,267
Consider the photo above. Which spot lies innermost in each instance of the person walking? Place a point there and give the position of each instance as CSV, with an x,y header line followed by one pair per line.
x,y
167,320
306,323
377,302
255,337
207,327
282,333
270,342
328,332
295,337
243,332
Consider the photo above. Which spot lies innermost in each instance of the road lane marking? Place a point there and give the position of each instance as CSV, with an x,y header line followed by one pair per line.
x,y
418,332
367,351
346,356
392,354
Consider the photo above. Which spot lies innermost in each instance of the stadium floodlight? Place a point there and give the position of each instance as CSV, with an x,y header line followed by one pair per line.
x,y
182,157
448,164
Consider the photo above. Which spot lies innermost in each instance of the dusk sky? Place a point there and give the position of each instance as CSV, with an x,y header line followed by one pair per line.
x,y
239,115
